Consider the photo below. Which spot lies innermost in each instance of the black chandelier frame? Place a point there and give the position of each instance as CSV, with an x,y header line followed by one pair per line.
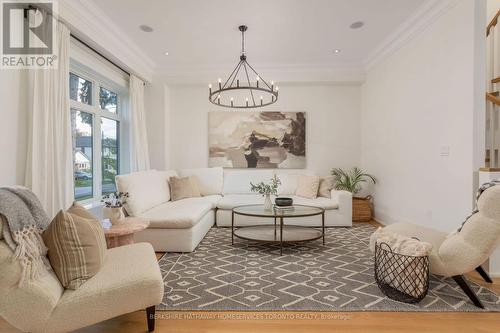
x,y
232,83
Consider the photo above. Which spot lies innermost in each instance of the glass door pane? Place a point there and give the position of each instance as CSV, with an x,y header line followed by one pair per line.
x,y
110,154
82,127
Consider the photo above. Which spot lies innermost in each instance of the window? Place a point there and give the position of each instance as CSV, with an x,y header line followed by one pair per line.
x,y
96,157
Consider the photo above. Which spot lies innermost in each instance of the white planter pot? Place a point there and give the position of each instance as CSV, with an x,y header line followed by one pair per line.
x,y
114,214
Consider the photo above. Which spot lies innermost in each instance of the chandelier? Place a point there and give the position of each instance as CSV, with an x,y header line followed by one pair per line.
x,y
238,91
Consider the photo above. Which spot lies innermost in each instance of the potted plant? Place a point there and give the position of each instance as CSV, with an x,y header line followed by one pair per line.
x,y
266,190
351,181
113,203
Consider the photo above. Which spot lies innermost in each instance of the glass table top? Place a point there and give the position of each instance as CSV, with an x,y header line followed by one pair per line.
x,y
293,211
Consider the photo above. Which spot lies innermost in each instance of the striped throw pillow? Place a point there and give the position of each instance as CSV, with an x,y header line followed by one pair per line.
x,y
76,246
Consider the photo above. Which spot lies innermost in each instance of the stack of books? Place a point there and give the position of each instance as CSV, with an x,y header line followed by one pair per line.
x,y
283,209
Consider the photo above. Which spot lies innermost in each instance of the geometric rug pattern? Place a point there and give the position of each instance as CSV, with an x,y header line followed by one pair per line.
x,y
337,276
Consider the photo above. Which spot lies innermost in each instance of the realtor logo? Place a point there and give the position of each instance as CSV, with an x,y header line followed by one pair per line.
x,y
28,34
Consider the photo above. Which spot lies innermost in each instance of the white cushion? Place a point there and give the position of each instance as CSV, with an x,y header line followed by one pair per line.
x,y
213,200
129,281
146,189
230,201
288,183
325,203
307,186
209,179
184,213
238,181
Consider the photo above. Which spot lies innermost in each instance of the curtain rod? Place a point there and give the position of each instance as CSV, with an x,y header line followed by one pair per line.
x,y
99,53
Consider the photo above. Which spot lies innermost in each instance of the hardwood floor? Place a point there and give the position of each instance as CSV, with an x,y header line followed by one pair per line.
x,y
298,322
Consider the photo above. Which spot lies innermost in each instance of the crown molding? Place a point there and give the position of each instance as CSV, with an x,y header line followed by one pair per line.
x,y
426,14
93,26
290,73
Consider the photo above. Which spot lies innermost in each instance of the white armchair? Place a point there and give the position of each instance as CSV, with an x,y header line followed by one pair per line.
x,y
459,253
129,281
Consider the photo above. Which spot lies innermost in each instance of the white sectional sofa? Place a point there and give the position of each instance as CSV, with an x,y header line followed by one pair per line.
x,y
179,226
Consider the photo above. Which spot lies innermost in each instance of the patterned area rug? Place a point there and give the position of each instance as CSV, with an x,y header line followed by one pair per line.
x,y
311,276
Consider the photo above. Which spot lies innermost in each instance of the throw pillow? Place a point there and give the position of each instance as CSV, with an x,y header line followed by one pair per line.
x,y
326,186
77,209
185,187
195,187
307,186
76,247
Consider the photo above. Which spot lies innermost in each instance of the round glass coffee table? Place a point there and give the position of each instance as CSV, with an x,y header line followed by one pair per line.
x,y
279,232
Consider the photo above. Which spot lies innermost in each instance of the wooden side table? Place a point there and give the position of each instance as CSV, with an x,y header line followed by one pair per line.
x,y
122,233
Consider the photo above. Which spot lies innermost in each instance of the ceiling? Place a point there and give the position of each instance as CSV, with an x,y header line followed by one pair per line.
x,y
202,34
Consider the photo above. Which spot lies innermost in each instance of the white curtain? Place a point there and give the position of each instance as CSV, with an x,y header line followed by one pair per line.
x,y
49,170
139,138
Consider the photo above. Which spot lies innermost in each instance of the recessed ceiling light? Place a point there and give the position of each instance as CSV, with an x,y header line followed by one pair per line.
x,y
357,24
336,51
145,28
165,53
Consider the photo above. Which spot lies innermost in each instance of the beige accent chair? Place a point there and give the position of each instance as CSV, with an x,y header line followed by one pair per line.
x,y
456,254
129,281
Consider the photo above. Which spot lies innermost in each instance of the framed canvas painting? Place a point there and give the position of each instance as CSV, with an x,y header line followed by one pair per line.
x,y
242,139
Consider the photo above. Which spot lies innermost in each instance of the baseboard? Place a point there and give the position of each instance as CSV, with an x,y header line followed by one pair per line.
x,y
377,221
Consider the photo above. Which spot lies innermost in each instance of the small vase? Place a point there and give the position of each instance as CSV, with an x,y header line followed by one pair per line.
x,y
114,214
268,204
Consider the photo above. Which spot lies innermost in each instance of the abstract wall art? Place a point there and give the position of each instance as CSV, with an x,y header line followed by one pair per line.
x,y
257,139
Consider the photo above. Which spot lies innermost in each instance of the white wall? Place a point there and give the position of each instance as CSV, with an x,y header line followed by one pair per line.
x,y
416,103
13,126
332,123
155,106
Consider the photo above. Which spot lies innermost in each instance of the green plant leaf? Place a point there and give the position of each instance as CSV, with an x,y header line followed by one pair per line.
x,y
351,180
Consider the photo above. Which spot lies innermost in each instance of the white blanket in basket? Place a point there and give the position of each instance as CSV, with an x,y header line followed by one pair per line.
x,y
407,246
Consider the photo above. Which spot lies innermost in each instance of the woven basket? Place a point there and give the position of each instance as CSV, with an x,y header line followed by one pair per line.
x,y
362,209
402,278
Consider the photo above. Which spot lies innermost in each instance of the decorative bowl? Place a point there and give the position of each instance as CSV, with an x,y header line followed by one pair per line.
x,y
283,201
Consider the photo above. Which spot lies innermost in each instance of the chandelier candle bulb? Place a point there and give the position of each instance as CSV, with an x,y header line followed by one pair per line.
x,y
220,81
261,99
210,88
257,79
238,83
231,101
246,100
272,85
